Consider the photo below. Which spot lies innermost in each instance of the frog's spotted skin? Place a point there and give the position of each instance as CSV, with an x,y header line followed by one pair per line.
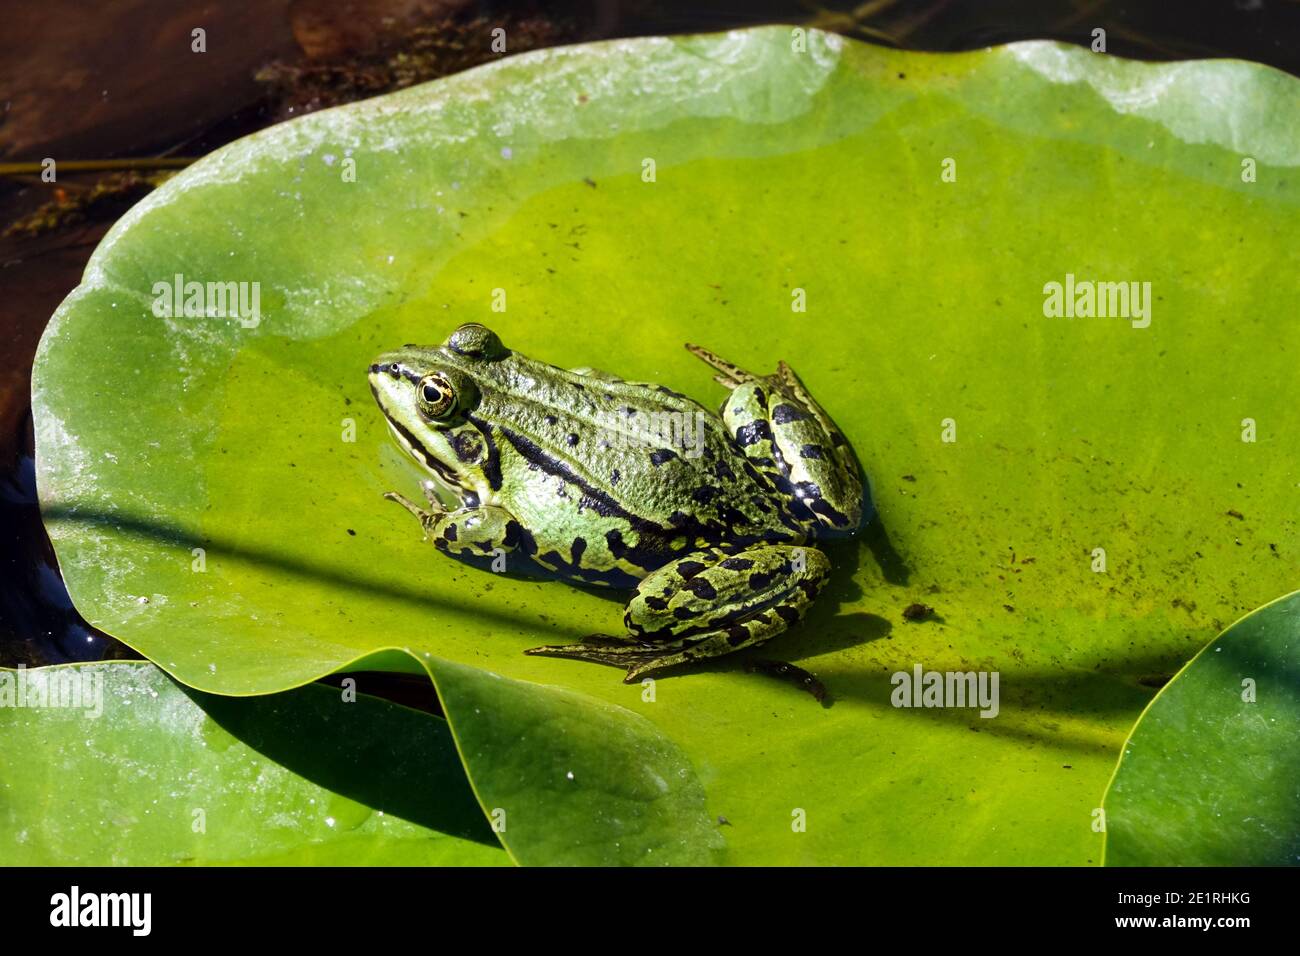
x,y
712,529
785,433
708,604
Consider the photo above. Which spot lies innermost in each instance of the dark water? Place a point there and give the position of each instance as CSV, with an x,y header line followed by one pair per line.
x,y
122,101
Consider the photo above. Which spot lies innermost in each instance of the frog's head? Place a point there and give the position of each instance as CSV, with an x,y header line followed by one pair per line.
x,y
428,395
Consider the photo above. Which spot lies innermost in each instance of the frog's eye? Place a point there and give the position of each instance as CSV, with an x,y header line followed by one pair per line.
x,y
435,396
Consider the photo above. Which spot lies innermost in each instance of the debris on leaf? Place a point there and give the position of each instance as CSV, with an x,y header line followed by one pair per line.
x,y
917,612
788,672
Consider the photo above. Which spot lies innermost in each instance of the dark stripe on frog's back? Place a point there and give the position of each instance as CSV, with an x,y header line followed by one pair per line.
x,y
653,544
540,433
729,515
559,387
538,408
598,500
622,554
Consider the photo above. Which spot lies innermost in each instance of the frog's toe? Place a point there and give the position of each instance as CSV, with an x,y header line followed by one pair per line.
x,y
406,503
637,659
603,649
729,375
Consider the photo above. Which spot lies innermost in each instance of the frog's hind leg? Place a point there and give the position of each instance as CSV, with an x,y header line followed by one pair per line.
x,y
787,436
707,605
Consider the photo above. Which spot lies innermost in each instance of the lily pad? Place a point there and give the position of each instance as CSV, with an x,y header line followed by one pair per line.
x,y
1211,773
1083,501
115,764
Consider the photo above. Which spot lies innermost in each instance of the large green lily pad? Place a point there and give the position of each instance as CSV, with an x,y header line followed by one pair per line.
x,y
1211,773
115,764
776,168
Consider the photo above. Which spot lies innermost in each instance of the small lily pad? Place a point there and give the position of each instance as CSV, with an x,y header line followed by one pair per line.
x,y
1211,773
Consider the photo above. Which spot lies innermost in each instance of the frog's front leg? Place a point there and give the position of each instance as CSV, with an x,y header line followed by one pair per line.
x,y
705,605
465,531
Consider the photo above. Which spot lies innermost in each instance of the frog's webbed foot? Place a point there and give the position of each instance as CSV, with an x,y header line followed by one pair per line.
x,y
729,375
430,495
424,516
603,649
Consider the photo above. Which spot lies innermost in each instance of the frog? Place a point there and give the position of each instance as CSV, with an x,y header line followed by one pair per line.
x,y
710,520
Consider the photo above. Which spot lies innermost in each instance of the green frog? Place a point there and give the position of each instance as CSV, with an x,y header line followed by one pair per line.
x,y
709,518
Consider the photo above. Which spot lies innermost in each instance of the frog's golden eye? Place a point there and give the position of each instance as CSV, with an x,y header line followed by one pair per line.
x,y
435,396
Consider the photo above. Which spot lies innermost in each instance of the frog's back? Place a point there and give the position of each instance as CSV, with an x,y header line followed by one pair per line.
x,y
613,479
